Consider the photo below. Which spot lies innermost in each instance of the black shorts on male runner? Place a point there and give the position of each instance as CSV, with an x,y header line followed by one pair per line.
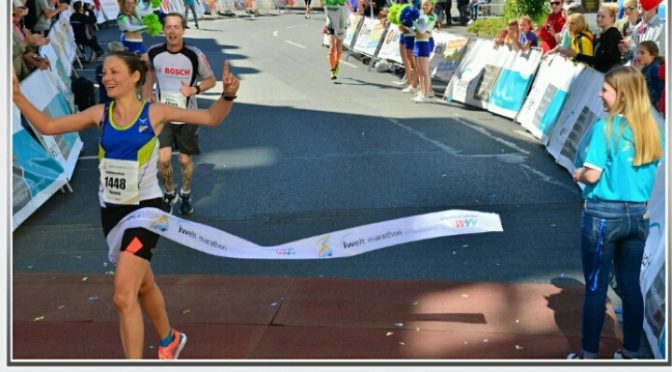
x,y
141,242
183,137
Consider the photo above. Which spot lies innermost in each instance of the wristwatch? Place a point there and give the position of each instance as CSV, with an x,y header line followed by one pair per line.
x,y
198,89
229,98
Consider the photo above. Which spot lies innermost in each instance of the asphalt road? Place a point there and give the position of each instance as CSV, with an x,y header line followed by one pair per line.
x,y
301,155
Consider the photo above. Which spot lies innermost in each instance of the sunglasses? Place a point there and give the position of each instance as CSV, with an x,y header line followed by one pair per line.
x,y
555,3
630,7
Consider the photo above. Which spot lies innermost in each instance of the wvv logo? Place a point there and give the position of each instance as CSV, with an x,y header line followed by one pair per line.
x,y
461,223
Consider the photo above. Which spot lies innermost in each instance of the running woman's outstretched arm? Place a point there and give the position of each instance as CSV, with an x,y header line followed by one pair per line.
x,y
213,116
45,124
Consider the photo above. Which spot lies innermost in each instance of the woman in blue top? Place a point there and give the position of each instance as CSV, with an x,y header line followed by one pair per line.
x,y
128,153
619,172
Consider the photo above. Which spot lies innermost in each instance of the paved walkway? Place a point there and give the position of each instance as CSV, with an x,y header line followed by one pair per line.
x,y
69,316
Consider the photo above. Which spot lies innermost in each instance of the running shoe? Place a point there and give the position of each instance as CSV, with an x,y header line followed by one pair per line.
x,y
619,355
575,356
172,351
420,99
409,89
186,207
333,74
337,69
170,198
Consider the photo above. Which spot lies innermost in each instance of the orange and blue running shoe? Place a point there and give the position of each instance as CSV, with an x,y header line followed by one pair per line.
x,y
172,351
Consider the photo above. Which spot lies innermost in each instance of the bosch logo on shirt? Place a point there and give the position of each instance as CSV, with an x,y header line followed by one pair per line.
x,y
177,71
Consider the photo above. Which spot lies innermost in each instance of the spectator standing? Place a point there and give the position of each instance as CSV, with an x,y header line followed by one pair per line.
x,y
424,44
82,21
563,39
552,26
649,62
606,53
462,9
527,38
619,171
580,35
24,56
441,8
649,28
131,26
190,5
46,10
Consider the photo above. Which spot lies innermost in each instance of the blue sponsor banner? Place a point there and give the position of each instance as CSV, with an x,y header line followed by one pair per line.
x,y
36,175
550,116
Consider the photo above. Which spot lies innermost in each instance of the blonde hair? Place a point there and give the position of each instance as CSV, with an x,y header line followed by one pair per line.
x,y
526,19
612,10
632,101
580,22
120,3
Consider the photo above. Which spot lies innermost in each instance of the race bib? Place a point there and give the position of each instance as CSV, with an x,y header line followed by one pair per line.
x,y
120,181
176,99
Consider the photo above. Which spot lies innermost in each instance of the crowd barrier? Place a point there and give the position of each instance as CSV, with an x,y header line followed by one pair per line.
x,y
44,164
559,109
555,99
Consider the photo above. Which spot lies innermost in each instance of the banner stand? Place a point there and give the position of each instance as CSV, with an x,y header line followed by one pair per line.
x,y
354,38
374,57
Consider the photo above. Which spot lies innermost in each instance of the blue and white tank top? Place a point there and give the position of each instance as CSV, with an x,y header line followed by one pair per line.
x,y
129,158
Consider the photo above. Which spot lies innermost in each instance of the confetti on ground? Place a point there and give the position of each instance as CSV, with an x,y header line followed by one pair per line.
x,y
444,175
151,346
454,253
104,264
186,311
38,318
93,298
465,245
85,279
389,333
399,324
553,225
402,343
274,304
562,275
518,347
30,267
61,307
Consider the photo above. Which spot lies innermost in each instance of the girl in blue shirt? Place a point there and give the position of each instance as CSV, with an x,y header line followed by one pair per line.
x,y
619,172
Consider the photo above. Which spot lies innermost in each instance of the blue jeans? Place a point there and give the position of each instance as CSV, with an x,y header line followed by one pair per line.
x,y
612,232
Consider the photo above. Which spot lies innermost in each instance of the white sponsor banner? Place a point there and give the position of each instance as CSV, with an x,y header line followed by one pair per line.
x,y
446,56
476,75
342,243
548,95
511,88
353,22
390,48
582,108
62,40
366,35
109,9
652,277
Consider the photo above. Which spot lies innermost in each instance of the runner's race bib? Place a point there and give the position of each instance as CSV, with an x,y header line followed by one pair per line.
x,y
176,99
120,181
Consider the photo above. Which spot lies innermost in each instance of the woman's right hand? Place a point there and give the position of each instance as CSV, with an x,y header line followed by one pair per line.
x,y
16,85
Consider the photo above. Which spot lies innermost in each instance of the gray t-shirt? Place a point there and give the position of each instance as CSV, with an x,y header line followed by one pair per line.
x,y
43,23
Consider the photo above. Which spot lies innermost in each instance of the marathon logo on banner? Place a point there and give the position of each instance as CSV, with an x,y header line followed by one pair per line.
x,y
343,243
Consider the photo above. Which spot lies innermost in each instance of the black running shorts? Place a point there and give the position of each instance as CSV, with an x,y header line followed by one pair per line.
x,y
145,244
183,137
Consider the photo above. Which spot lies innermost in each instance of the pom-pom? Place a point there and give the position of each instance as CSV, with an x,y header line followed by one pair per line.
x,y
153,24
393,13
156,4
408,15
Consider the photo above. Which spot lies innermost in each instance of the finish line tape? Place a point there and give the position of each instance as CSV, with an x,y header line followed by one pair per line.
x,y
342,243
